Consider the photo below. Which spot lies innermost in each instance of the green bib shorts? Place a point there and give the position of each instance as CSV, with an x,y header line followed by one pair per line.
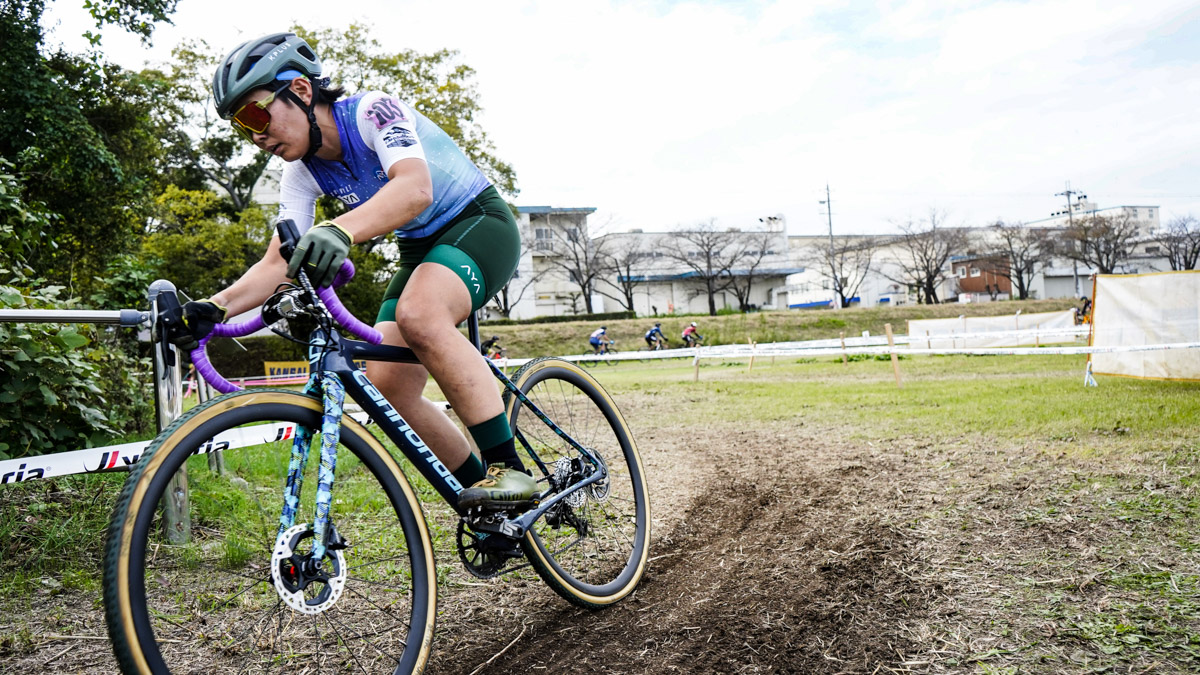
x,y
482,245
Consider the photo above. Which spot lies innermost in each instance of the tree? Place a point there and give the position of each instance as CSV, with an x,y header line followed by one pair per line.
x,y
84,140
436,85
619,274
1180,242
845,264
199,246
578,258
204,148
926,247
1022,250
1101,242
709,253
754,249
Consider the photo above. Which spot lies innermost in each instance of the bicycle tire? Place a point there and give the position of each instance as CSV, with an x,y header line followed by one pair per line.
x,y
604,562
170,607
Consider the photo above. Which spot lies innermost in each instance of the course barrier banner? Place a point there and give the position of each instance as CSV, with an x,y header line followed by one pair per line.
x,y
1147,309
1009,330
274,370
125,455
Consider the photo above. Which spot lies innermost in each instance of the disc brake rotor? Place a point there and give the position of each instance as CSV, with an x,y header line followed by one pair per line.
x,y
301,588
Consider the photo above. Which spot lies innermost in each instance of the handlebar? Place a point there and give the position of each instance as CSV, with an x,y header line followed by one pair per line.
x,y
288,236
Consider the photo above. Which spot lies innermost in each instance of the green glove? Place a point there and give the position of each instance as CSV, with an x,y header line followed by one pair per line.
x,y
321,251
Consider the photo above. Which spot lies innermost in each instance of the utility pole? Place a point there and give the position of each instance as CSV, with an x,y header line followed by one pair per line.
x,y
833,271
1071,224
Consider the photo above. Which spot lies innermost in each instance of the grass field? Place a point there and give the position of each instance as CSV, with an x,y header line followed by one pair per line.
x,y
1058,523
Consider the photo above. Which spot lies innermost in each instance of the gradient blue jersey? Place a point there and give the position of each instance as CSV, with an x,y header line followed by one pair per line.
x,y
376,131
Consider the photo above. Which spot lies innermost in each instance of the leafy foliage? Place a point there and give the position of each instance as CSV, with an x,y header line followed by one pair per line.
x,y
54,379
84,142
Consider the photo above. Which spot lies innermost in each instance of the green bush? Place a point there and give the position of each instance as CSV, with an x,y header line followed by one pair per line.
x,y
61,386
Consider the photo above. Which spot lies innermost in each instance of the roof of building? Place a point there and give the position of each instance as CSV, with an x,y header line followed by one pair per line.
x,y
692,274
555,209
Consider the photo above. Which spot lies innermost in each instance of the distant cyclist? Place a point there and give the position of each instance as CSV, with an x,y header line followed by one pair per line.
x,y
599,340
655,335
490,345
691,337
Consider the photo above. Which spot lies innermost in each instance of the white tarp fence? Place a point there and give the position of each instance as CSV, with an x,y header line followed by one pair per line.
x,y
1147,309
1009,330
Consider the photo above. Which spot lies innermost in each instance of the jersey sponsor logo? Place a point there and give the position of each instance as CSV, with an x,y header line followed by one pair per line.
x,y
399,137
385,111
380,175
349,199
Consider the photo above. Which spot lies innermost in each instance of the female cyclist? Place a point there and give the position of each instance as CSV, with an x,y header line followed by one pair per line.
x,y
397,172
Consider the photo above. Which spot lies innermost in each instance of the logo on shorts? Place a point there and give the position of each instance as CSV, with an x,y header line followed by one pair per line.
x,y
474,279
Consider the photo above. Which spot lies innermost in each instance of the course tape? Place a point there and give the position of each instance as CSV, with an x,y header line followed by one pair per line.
x,y
125,455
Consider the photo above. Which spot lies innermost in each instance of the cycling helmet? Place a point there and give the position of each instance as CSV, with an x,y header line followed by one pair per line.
x,y
603,328
495,337
693,324
259,62
657,324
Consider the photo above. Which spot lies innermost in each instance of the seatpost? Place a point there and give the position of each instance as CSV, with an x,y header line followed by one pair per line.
x,y
473,328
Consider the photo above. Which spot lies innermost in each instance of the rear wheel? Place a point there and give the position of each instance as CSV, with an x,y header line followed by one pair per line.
x,y
221,594
592,547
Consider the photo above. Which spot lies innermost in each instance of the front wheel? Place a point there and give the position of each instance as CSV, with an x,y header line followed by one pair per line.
x,y
211,588
592,547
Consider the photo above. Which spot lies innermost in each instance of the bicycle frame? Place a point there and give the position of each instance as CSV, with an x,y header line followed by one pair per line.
x,y
337,359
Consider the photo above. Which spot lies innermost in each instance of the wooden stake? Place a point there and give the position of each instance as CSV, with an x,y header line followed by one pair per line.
x,y
696,363
887,327
751,355
845,361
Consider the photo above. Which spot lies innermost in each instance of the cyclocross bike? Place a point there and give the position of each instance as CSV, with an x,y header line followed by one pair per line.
x,y
260,575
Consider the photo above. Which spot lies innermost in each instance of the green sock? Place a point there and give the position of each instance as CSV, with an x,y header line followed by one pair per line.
x,y
471,472
495,441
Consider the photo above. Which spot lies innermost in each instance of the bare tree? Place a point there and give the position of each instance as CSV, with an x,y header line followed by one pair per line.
x,y
708,252
578,258
1102,242
926,247
755,248
1019,252
512,292
620,277
1181,242
845,264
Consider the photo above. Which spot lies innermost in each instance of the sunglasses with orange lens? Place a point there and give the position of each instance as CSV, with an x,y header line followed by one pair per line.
x,y
253,117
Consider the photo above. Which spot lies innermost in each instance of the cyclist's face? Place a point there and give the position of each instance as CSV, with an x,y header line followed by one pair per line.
x,y
287,133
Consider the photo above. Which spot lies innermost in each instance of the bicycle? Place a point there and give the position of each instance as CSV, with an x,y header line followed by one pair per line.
x,y
660,344
606,347
344,577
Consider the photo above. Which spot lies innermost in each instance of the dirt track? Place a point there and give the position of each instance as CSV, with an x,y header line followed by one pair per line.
x,y
791,547
771,552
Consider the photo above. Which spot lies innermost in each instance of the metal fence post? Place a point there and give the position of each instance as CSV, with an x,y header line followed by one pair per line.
x,y
168,400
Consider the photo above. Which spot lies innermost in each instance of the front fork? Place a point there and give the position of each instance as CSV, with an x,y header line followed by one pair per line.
x,y
333,395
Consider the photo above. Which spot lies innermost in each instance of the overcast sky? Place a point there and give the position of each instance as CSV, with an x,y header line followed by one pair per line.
x,y
661,114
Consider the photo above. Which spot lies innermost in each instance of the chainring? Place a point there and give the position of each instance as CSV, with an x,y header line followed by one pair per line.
x,y
485,555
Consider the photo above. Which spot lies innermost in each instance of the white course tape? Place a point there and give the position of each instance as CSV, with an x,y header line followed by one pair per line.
x,y
125,455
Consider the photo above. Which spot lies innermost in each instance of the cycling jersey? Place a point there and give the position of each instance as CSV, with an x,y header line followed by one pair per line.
x,y
655,332
690,330
596,336
376,131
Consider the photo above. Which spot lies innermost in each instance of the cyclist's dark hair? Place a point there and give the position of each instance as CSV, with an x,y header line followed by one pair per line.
x,y
330,95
